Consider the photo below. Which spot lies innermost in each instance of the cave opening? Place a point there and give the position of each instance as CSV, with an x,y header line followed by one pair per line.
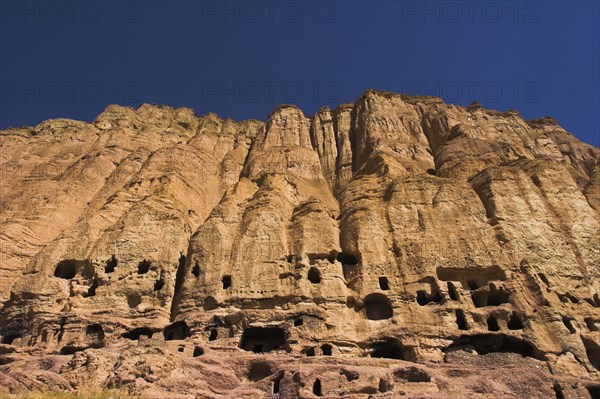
x,y
378,307
389,349
461,320
594,391
471,277
69,350
198,351
424,298
515,323
314,275
144,266
431,172
309,351
111,264
326,350
66,269
226,281
176,331
384,284
346,258
493,343
298,322
497,296
452,292
262,339
317,388
259,371
276,383
493,297
159,284
10,337
213,335
492,323
136,333
95,331
196,270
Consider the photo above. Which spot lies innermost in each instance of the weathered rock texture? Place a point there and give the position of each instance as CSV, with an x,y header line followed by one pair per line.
x,y
393,247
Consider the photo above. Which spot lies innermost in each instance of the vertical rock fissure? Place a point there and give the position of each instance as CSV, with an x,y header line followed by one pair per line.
x,y
179,280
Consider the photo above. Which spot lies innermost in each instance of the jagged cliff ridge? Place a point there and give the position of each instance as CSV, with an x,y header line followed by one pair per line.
x,y
393,247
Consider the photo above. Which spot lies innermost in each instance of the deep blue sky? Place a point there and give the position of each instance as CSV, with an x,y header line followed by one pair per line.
x,y
60,60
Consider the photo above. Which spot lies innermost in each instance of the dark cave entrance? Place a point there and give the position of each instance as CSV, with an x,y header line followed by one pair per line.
x,y
66,269
389,349
461,320
314,275
95,331
495,343
144,266
378,307
226,280
111,264
262,339
384,284
176,331
136,333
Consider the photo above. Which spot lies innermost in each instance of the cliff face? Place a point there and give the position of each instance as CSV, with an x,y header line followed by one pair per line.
x,y
394,246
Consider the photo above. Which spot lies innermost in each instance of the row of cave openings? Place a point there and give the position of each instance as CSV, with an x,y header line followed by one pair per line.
x,y
266,339
68,270
260,339
313,275
483,293
260,370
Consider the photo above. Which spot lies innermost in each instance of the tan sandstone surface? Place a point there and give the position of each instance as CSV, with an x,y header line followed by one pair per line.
x,y
395,247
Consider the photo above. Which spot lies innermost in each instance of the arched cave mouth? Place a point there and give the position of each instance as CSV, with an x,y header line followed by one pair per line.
x,y
144,266
391,348
68,269
314,275
262,339
346,258
10,337
136,333
95,331
378,307
176,331
259,370
495,343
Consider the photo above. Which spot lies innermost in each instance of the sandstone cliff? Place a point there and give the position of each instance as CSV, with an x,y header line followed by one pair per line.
x,y
393,247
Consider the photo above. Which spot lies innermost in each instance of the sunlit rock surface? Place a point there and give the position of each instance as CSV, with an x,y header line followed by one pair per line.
x,y
393,247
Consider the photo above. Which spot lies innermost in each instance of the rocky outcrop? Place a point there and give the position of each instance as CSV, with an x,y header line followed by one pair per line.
x,y
395,246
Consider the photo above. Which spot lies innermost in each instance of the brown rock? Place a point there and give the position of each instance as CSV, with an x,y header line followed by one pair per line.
x,y
393,247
